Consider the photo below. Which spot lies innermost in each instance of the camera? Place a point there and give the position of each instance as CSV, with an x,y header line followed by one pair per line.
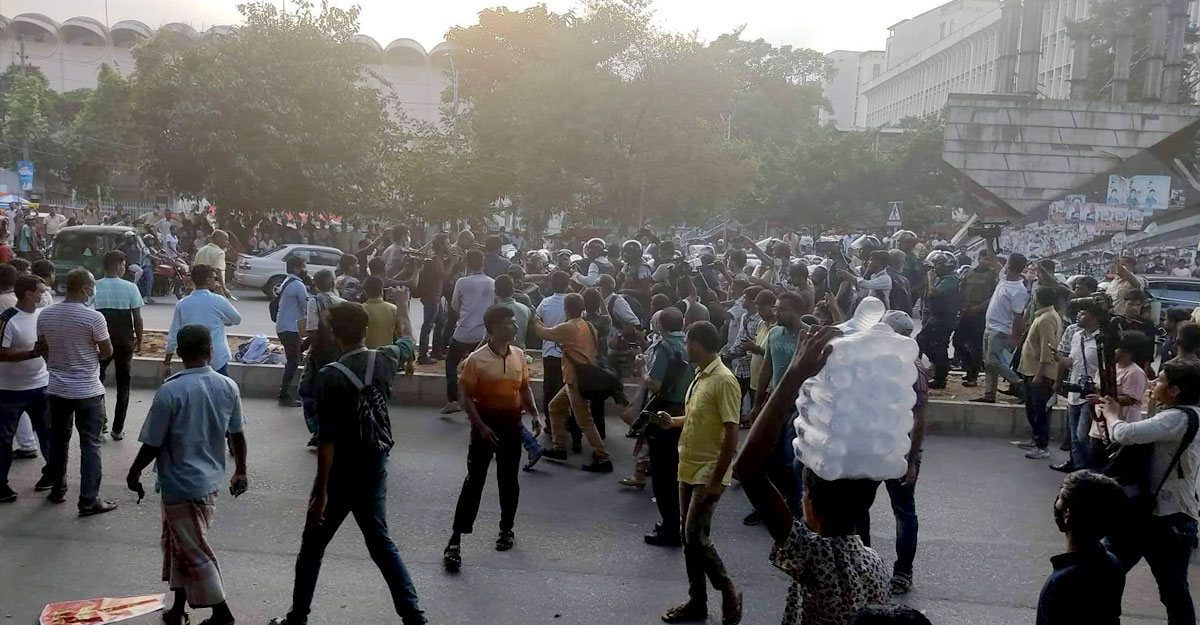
x,y
987,229
1086,386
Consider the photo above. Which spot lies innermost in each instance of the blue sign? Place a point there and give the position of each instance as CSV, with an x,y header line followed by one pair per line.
x,y
25,174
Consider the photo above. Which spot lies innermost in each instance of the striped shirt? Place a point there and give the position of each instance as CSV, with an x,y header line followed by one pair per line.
x,y
72,330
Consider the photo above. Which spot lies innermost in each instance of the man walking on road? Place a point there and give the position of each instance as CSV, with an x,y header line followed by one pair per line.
x,y
495,387
184,435
23,380
206,308
707,446
293,306
121,304
351,474
577,338
76,339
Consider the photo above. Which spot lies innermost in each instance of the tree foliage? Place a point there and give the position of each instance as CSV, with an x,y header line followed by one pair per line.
x,y
277,115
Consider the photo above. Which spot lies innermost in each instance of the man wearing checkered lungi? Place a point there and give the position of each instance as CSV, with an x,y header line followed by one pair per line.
x,y
184,434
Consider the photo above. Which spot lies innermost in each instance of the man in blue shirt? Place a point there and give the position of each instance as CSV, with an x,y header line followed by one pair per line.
x,y
203,307
1088,581
121,304
135,256
293,306
184,435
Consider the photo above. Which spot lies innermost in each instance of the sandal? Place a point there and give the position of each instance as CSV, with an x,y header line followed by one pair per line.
x,y
452,557
633,481
686,613
505,541
744,424
170,618
100,507
731,614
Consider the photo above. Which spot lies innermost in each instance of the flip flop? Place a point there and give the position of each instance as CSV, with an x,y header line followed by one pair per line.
x,y
452,557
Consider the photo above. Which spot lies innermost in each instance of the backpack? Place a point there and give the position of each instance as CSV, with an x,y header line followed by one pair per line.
x,y
374,424
1130,467
273,307
634,306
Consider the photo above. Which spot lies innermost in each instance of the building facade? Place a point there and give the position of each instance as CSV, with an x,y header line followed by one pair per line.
x,y
70,54
842,91
954,49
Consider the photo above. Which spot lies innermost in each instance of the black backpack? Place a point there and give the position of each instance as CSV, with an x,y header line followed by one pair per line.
x,y
374,424
273,307
1130,467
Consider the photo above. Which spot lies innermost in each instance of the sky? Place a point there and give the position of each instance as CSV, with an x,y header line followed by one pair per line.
x,y
820,24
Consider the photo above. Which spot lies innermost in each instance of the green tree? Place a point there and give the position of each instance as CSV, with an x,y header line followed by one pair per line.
x,y
281,114
101,140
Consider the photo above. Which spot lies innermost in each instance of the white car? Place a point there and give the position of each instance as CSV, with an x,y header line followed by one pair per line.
x,y
267,272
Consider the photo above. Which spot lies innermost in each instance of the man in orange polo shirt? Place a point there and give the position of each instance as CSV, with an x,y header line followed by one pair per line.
x,y
494,387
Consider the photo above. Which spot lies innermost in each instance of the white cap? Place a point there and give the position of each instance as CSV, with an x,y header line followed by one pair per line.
x,y
899,321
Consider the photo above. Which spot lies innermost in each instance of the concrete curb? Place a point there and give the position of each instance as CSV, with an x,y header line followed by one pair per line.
x,y
957,418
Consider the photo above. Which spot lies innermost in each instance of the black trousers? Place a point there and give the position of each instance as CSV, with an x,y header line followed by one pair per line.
x,y
934,340
552,382
664,475
968,343
457,353
291,350
507,452
123,360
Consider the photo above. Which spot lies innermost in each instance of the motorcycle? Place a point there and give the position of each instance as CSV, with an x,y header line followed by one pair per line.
x,y
171,275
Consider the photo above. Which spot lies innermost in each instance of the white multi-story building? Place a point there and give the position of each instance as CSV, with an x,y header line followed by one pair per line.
x,y
70,53
954,49
850,71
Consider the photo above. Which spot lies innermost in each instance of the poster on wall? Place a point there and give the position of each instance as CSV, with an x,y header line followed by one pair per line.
x,y
1134,219
1149,192
1118,190
1076,205
1178,199
1111,218
1058,212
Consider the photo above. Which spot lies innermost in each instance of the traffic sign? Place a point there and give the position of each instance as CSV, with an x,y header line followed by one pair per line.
x,y
25,175
894,211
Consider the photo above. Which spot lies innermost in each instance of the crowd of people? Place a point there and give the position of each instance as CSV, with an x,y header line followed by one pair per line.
x,y
717,342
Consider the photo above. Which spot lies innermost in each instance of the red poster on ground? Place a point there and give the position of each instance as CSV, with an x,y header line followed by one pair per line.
x,y
106,610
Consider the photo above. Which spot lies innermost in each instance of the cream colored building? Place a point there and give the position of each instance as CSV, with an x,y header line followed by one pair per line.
x,y
70,54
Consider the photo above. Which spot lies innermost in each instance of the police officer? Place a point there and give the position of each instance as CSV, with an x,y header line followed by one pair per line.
x,y
942,304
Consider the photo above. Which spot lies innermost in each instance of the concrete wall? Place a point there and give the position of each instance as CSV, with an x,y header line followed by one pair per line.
x,y
944,417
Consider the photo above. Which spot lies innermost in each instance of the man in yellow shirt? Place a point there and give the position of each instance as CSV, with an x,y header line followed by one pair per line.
x,y
385,322
1039,363
707,446
213,255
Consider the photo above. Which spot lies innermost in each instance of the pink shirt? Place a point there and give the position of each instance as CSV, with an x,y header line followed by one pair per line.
x,y
1131,381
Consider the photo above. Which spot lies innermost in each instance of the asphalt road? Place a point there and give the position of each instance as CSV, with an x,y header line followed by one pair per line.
x,y
987,533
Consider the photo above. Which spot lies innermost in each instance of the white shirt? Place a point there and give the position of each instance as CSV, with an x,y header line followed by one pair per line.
x,y
1166,430
18,330
171,243
1181,272
54,223
1084,361
473,295
72,330
552,313
1008,301
878,285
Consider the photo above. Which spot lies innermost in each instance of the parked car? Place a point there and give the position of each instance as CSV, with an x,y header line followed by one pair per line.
x,y
85,246
1170,292
268,271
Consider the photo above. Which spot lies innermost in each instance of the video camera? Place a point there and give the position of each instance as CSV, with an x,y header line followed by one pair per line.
x,y
987,229
1086,386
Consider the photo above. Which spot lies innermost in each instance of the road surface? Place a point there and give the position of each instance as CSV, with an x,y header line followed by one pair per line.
x,y
987,534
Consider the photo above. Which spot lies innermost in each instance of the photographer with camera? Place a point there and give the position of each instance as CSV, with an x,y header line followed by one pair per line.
x,y
1078,352
1164,532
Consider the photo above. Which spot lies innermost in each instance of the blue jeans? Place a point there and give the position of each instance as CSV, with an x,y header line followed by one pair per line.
x,y
904,507
997,358
12,404
368,503
431,322
784,468
1167,543
87,415
529,441
146,280
1079,420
